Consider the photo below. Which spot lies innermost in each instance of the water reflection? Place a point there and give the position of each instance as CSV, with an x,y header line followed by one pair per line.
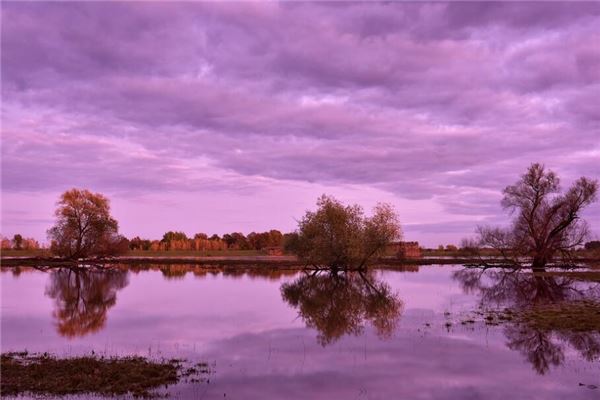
x,y
179,271
340,304
83,297
522,291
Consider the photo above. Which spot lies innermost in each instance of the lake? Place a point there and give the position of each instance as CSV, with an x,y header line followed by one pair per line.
x,y
415,333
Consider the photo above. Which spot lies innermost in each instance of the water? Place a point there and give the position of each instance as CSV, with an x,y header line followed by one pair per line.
x,y
290,335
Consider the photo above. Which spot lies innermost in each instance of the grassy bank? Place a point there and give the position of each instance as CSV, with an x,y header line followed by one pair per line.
x,y
43,374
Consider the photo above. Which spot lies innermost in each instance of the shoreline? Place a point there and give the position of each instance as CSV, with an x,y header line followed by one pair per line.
x,y
290,262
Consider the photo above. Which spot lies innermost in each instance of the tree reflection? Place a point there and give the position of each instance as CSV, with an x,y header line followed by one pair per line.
x,y
340,304
83,297
521,291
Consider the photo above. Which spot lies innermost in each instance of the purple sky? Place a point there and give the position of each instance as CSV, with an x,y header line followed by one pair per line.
x,y
207,117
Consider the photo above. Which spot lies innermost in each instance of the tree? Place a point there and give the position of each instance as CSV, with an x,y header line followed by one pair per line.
x,y
341,304
524,292
592,245
171,236
84,226
17,242
5,243
82,298
341,237
547,224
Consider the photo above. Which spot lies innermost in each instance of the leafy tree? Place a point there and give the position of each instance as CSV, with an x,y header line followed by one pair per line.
x,y
593,245
547,224
341,237
17,242
84,226
139,244
290,242
5,243
171,236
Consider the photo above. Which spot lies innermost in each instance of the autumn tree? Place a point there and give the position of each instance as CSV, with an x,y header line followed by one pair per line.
x,y
547,224
337,236
17,242
139,244
84,226
5,243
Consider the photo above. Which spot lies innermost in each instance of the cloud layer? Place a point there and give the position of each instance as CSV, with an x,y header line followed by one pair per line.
x,y
439,103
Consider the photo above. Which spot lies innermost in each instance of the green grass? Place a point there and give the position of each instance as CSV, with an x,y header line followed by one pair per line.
x,y
46,375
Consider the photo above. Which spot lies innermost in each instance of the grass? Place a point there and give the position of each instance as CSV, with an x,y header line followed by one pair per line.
x,y
587,276
581,316
575,316
193,253
43,374
25,253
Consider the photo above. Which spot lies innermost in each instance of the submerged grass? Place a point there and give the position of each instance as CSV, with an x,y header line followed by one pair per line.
x,y
43,374
586,276
575,316
581,316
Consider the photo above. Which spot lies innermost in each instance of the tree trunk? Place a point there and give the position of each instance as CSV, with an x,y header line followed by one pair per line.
x,y
539,263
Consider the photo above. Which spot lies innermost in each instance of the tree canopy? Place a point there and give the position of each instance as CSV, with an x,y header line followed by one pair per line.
x,y
84,226
342,237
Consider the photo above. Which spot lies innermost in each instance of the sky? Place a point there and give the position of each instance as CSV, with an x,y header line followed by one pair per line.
x,y
206,117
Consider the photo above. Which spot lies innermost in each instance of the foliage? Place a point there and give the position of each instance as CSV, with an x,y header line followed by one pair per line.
x,y
547,224
340,304
170,236
341,237
543,311
593,245
18,243
83,298
84,226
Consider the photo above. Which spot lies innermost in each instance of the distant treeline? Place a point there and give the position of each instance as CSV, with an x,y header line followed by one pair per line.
x,y
202,242
174,240
18,242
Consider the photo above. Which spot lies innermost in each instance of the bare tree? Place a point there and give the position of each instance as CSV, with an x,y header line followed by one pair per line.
x,y
84,226
341,237
547,224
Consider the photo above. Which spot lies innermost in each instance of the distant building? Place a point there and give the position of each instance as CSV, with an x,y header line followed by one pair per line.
x,y
404,249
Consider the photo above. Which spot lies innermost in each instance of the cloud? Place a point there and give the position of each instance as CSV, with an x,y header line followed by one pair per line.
x,y
449,102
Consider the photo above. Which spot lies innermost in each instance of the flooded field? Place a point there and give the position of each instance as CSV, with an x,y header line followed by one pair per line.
x,y
428,332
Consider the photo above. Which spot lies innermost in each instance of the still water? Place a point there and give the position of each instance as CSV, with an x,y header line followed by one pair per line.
x,y
293,335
